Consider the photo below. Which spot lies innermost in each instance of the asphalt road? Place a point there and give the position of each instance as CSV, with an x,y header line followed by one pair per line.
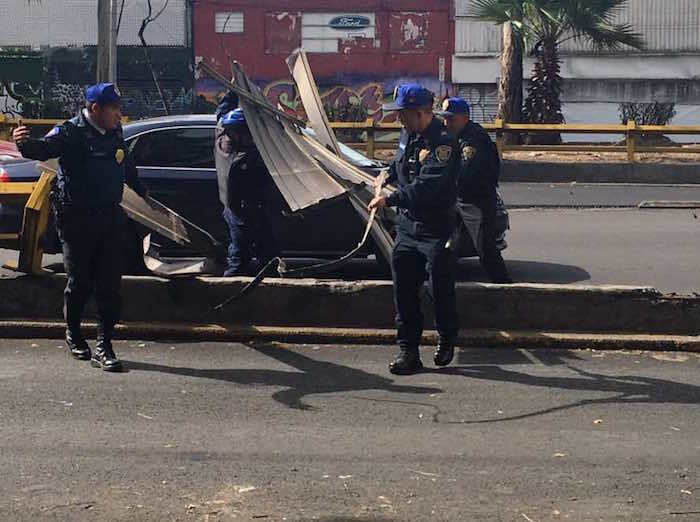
x,y
582,195
233,432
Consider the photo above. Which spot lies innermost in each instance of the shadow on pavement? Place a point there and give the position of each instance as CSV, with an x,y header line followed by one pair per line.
x,y
628,389
526,272
313,377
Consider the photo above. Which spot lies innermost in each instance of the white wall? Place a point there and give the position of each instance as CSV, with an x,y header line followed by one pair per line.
x,y
74,23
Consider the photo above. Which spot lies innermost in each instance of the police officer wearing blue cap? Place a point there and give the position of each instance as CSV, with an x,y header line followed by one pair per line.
x,y
477,182
94,164
244,188
425,170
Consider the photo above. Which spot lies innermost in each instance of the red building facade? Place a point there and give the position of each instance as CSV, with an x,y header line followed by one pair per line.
x,y
357,54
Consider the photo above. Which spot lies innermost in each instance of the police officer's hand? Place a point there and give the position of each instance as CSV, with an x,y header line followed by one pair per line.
x,y
20,134
379,203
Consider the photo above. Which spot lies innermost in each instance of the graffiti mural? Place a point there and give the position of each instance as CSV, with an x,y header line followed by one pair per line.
x,y
357,104
357,101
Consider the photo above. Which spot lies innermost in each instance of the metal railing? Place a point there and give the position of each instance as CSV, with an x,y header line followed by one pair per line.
x,y
369,130
632,133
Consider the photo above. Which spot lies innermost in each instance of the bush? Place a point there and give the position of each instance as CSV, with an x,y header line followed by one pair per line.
x,y
656,113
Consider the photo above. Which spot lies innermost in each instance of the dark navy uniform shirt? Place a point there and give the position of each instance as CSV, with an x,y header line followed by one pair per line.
x,y
480,164
425,169
93,166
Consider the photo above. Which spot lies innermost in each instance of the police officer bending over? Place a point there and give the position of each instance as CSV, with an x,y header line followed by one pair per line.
x,y
425,167
244,185
94,164
477,182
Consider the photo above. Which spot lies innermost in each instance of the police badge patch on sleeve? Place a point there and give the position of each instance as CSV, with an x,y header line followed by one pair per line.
x,y
119,156
53,132
423,155
443,153
468,153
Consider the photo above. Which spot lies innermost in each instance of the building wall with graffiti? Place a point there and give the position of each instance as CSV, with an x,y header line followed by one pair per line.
x,y
358,56
66,71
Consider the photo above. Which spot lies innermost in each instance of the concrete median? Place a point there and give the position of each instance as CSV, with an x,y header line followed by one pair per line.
x,y
368,305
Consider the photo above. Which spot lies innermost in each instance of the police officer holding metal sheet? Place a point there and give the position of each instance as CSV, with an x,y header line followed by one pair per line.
x,y
425,169
477,183
244,187
94,164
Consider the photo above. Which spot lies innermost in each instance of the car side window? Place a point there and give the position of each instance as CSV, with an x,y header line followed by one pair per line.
x,y
184,148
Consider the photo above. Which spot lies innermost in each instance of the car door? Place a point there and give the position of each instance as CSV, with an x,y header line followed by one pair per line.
x,y
177,165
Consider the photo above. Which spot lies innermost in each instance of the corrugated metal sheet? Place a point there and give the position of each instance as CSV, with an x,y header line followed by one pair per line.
x,y
667,26
475,37
74,22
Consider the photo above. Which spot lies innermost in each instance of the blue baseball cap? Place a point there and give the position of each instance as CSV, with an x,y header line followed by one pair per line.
x,y
103,94
234,118
409,96
452,106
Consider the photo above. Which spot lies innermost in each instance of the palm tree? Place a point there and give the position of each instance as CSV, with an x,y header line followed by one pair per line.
x,y
546,24
509,14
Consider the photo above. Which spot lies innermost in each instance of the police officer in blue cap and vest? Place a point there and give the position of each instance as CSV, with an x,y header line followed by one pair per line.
x,y
94,164
425,170
244,187
477,182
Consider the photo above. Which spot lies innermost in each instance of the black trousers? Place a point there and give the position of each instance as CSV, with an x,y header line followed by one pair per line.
x,y
415,259
489,254
93,255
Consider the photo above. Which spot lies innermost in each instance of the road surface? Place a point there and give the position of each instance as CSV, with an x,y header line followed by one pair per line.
x,y
274,432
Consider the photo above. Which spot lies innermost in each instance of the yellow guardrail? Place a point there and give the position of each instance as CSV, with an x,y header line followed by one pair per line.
x,y
631,131
34,223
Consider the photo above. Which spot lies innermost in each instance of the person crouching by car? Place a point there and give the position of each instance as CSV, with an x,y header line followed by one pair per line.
x,y
244,187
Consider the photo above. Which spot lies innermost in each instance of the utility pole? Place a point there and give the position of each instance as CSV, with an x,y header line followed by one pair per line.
x,y
107,13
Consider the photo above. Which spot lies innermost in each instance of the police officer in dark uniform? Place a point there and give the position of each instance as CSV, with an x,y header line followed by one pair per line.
x,y
477,182
94,164
244,188
425,169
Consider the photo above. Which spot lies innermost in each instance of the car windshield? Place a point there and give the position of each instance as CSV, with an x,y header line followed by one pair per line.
x,y
354,157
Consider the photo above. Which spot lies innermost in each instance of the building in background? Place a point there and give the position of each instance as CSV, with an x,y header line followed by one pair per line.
x,y
65,32
358,50
595,83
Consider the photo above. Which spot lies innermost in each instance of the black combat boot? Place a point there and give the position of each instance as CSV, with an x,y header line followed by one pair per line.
x,y
406,363
444,353
77,345
104,356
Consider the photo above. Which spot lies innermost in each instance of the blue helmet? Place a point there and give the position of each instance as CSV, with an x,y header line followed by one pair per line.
x,y
234,118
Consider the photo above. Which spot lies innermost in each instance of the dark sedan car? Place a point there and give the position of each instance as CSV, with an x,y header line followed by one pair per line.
x,y
174,156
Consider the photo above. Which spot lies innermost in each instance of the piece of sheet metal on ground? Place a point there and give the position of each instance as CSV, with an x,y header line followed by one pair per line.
x,y
171,268
302,182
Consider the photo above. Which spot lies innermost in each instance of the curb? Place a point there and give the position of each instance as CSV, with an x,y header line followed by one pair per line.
x,y
369,305
355,336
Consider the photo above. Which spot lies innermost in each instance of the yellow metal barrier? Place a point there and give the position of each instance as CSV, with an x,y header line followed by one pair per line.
x,y
631,131
34,223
